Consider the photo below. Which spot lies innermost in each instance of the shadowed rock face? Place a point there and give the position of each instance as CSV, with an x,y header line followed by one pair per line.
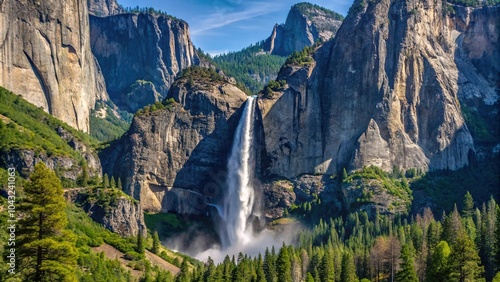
x,y
384,92
170,157
138,48
304,25
45,57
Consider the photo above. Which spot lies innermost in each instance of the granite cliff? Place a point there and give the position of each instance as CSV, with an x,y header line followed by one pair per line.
x,y
172,159
305,24
138,50
45,57
384,92
104,8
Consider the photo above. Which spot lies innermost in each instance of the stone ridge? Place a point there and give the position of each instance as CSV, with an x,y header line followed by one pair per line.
x,y
140,49
384,92
45,57
305,24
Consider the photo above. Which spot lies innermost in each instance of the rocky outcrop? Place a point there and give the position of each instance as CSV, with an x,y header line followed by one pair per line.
x,y
66,166
305,24
125,217
384,91
104,8
144,47
45,57
174,159
116,212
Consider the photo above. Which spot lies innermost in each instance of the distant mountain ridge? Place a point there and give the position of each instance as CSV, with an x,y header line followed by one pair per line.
x,y
305,24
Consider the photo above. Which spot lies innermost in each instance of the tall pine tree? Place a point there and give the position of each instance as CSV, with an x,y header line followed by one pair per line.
x,y
407,272
46,250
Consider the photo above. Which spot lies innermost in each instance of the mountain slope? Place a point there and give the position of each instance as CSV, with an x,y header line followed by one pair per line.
x,y
29,135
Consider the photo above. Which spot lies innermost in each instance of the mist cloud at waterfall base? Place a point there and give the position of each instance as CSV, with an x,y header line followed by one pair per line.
x,y
255,245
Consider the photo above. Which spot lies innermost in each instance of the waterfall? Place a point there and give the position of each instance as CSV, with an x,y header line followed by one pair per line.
x,y
239,197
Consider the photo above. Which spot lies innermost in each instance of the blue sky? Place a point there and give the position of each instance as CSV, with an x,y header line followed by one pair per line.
x,y
220,26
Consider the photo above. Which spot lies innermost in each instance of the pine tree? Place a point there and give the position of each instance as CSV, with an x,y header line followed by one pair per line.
x,y
468,209
327,268
464,260
284,265
344,174
407,272
348,273
140,244
105,181
112,183
269,265
437,267
309,277
183,275
156,243
46,250
119,185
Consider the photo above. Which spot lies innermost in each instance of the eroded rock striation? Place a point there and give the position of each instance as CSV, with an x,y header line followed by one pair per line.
x,y
174,159
305,24
384,92
45,57
139,49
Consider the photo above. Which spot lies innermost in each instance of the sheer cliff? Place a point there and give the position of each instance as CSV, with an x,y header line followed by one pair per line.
x,y
45,57
137,50
384,92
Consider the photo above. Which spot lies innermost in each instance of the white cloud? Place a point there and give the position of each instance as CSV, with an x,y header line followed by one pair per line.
x,y
223,17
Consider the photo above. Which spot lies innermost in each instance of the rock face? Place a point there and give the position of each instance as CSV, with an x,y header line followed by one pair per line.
x,y
135,47
126,217
68,167
304,24
123,215
104,8
45,57
174,159
383,92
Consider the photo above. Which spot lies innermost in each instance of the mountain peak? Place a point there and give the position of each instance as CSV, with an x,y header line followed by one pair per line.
x,y
306,23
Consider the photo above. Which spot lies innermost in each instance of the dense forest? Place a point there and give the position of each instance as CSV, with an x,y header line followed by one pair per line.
x,y
458,246
251,66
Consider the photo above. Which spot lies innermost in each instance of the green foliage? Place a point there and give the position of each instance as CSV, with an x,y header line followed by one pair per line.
x,y
111,127
273,86
479,127
283,265
348,273
251,66
29,127
394,186
156,243
95,267
47,251
302,58
148,10
448,187
407,272
200,74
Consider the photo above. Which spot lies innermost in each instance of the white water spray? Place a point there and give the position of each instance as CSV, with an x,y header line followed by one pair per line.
x,y
239,199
